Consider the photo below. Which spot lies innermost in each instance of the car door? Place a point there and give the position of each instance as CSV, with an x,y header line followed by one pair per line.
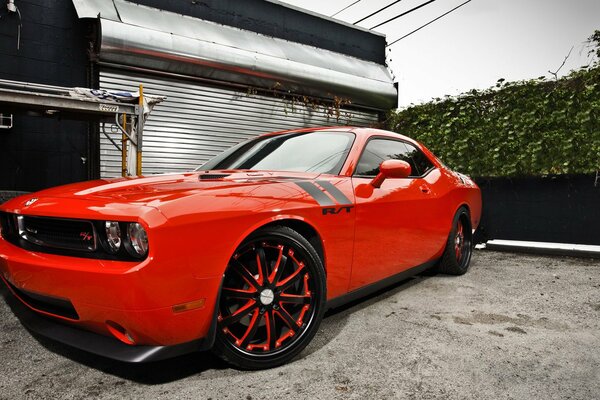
x,y
395,224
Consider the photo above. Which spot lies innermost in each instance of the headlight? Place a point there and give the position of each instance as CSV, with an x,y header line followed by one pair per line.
x,y
138,240
113,236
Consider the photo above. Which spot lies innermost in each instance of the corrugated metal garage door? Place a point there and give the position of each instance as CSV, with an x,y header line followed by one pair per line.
x,y
198,121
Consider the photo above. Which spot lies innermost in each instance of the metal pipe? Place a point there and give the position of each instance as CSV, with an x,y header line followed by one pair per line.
x,y
124,146
109,138
38,87
123,129
140,132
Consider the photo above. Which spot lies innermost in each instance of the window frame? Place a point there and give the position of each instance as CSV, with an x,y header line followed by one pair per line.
x,y
394,140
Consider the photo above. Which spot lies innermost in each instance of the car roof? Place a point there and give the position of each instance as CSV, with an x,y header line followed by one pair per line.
x,y
358,131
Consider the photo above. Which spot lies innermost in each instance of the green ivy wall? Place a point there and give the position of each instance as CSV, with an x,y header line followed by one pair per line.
x,y
527,128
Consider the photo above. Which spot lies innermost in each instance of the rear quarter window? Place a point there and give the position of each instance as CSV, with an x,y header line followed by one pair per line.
x,y
420,162
378,150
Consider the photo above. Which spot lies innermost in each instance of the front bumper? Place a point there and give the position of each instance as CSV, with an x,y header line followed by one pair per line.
x,y
99,344
137,297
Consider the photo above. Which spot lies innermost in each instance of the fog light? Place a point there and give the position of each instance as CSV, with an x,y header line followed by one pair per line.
x,y
138,238
119,332
113,236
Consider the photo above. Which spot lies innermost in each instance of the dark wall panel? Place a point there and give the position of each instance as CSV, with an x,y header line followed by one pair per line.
x,y
282,22
560,209
42,152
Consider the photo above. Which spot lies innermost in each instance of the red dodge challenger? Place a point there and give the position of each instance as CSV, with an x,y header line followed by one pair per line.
x,y
243,255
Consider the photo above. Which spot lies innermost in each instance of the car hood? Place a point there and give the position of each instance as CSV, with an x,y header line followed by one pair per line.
x,y
156,191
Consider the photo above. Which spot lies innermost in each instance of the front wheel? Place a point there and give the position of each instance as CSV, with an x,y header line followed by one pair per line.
x,y
459,247
272,300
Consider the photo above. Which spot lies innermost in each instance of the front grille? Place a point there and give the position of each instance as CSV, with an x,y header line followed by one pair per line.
x,y
61,236
58,233
51,305
49,233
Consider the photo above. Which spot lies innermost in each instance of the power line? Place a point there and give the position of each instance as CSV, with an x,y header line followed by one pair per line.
x,y
429,23
345,8
403,14
377,12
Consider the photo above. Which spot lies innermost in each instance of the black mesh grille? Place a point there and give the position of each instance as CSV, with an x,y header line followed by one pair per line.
x,y
58,233
52,305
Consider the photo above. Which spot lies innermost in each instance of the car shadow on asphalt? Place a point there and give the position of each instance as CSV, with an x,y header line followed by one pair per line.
x,y
160,372
336,318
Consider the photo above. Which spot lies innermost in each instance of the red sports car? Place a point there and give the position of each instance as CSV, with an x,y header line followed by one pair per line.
x,y
243,255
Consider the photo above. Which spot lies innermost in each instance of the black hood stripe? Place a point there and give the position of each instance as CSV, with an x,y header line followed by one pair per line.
x,y
335,192
316,193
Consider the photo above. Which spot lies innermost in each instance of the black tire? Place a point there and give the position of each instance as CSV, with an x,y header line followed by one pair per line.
x,y
459,246
277,280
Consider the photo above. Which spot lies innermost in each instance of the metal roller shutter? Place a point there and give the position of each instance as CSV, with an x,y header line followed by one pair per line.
x,y
198,121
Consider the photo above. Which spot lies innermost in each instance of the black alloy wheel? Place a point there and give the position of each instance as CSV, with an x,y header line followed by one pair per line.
x,y
459,246
272,299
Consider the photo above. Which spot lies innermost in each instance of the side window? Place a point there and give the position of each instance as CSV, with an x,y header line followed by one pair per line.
x,y
420,163
378,150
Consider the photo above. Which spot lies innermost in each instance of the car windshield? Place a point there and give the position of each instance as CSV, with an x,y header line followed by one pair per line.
x,y
318,152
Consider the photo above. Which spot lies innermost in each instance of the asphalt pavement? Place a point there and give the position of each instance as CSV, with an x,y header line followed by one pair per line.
x,y
514,327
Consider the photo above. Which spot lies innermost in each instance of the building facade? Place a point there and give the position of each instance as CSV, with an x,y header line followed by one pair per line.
x,y
230,71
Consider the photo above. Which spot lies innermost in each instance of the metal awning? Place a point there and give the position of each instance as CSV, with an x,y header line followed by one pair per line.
x,y
140,36
49,100
87,104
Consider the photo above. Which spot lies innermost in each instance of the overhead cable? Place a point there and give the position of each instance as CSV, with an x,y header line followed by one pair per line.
x,y
377,12
429,23
345,8
403,14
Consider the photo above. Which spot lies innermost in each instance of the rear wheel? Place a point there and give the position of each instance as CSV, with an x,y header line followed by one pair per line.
x,y
459,247
272,299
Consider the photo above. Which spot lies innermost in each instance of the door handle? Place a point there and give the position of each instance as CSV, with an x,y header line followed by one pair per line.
x,y
425,189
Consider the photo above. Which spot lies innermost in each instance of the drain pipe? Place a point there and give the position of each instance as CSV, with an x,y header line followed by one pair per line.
x,y
12,7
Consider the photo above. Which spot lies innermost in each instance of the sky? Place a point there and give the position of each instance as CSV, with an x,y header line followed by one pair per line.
x,y
475,45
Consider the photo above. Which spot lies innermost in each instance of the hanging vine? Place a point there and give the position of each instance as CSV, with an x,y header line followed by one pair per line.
x,y
298,103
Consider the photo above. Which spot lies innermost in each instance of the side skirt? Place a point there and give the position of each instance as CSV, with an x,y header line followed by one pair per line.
x,y
376,286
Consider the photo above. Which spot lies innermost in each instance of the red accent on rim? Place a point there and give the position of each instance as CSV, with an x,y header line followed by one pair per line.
x,y
301,317
251,328
278,267
459,242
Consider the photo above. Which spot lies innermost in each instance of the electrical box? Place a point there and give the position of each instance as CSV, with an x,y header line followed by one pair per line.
x,y
6,121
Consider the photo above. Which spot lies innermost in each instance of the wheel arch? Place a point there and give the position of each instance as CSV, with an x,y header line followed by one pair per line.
x,y
463,205
468,208
297,223
305,229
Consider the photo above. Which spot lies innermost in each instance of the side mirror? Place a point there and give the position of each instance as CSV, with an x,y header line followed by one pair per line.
x,y
391,169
